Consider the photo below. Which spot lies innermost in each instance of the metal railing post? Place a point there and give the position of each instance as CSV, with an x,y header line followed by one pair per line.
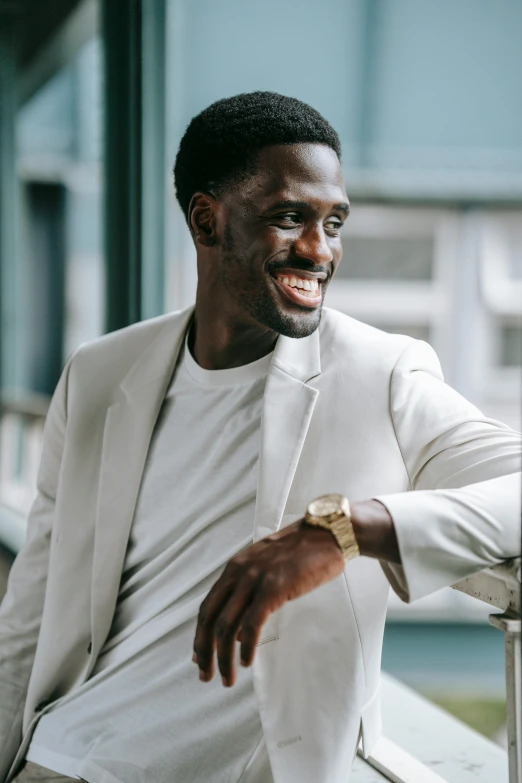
x,y
511,627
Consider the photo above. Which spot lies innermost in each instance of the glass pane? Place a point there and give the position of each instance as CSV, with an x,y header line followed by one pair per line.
x,y
511,345
59,148
503,234
45,122
387,258
514,241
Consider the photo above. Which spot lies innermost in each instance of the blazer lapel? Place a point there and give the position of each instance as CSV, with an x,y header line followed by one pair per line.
x,y
128,429
287,410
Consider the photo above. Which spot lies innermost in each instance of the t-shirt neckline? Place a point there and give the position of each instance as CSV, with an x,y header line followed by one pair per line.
x,y
234,376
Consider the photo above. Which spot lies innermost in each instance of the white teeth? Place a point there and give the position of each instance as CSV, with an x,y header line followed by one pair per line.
x,y
306,287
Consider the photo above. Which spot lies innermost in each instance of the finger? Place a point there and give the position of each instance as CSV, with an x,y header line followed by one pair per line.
x,y
227,625
204,641
253,620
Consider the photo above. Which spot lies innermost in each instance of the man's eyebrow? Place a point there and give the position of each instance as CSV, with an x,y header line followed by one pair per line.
x,y
342,206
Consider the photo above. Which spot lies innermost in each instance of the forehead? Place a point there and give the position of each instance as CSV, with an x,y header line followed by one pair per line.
x,y
295,172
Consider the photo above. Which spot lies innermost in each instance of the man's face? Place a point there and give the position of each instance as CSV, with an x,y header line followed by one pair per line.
x,y
281,237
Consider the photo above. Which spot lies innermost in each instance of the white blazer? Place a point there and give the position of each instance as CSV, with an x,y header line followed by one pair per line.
x,y
348,409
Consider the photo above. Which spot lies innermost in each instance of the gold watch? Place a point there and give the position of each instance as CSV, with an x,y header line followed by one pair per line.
x,y
333,513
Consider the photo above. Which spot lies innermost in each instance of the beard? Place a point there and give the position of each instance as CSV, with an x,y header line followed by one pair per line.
x,y
258,297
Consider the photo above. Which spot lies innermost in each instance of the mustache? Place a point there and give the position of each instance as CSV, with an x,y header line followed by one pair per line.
x,y
300,265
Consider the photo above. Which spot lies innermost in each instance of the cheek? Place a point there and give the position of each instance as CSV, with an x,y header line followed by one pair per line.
x,y
337,256
280,240
259,255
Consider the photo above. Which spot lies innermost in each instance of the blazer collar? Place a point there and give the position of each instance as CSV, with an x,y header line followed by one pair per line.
x,y
159,359
299,358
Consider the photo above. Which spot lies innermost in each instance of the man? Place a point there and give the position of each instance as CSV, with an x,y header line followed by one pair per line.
x,y
171,446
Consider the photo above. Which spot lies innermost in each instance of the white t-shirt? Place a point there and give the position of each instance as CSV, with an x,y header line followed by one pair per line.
x,y
143,715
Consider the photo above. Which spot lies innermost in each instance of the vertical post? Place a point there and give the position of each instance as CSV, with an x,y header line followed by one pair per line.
x,y
10,368
511,627
134,46
121,30
153,159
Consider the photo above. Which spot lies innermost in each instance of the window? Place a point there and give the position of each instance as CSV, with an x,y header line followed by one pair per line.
x,y
59,134
450,277
500,276
387,258
511,345
396,272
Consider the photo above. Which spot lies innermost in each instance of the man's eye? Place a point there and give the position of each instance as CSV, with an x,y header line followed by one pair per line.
x,y
288,218
334,225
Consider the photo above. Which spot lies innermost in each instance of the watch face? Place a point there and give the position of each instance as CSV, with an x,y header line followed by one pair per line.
x,y
325,505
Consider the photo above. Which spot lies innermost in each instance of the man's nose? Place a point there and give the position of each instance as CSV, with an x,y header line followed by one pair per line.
x,y
312,244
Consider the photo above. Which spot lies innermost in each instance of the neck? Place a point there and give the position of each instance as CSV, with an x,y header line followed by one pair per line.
x,y
220,342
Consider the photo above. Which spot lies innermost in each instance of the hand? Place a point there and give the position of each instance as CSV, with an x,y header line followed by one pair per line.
x,y
256,582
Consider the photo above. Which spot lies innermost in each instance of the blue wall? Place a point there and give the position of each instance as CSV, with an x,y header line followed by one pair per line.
x,y
426,96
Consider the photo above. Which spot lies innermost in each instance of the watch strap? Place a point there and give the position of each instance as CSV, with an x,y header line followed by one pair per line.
x,y
340,525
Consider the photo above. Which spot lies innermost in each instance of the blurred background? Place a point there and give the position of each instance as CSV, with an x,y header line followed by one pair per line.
x,y
94,98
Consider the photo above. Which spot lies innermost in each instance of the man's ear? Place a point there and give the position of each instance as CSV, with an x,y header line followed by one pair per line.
x,y
202,219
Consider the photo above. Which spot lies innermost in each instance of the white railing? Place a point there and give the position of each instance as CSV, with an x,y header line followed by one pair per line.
x,y
421,743
500,587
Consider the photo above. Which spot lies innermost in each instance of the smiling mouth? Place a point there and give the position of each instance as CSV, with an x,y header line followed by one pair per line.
x,y
300,287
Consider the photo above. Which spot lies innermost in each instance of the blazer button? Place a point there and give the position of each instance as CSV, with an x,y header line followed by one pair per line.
x,y
43,704
89,648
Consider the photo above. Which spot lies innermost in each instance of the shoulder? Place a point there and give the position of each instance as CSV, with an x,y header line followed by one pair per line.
x,y
104,362
349,343
133,337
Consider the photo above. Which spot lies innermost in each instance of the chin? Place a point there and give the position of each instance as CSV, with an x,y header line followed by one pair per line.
x,y
290,324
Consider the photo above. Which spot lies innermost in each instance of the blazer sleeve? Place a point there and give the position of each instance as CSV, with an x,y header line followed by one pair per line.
x,y
464,469
22,606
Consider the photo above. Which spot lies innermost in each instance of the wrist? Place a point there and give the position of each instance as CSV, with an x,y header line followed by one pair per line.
x,y
322,537
375,531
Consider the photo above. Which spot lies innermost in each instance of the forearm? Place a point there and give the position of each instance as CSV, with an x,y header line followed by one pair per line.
x,y
446,535
377,536
375,531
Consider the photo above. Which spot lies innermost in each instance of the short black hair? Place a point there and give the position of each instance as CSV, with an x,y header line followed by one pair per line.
x,y
221,144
